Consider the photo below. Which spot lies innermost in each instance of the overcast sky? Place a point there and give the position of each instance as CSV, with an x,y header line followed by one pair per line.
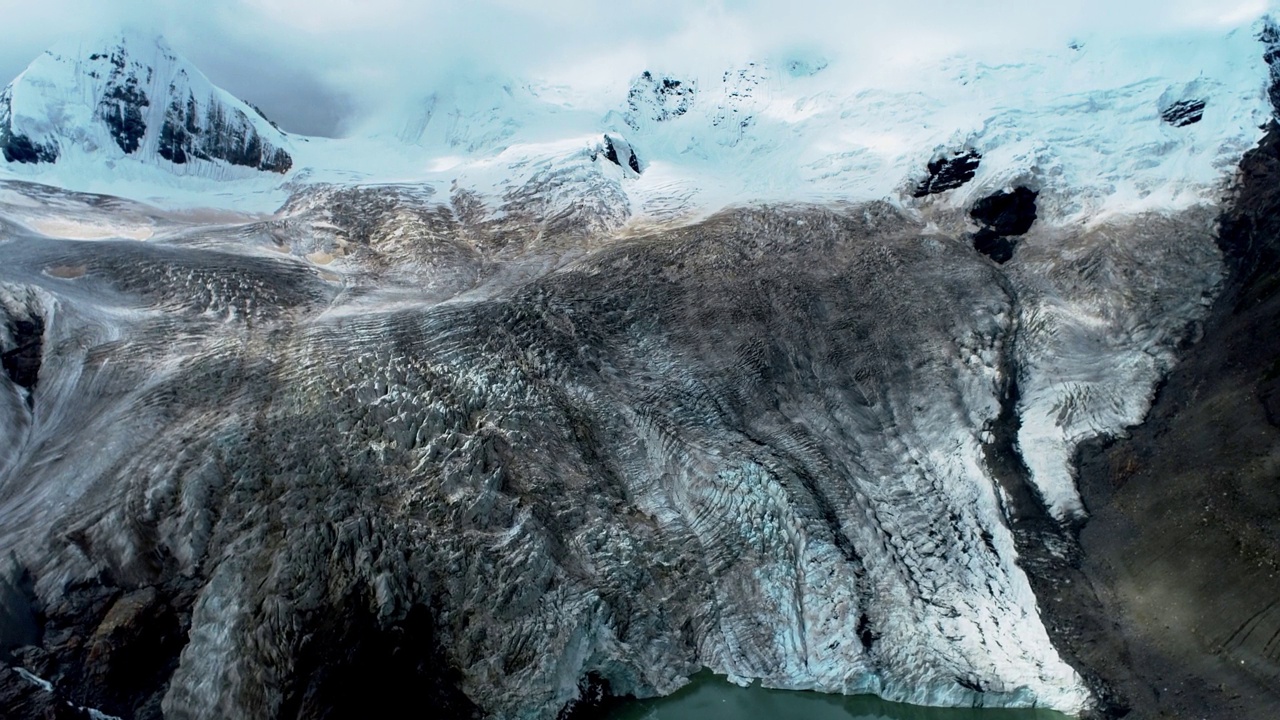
x,y
313,65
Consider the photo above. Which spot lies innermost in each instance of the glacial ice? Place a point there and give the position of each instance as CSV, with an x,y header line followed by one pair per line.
x,y
727,413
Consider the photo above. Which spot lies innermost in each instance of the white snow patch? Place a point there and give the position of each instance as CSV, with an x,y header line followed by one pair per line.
x,y
87,230
34,679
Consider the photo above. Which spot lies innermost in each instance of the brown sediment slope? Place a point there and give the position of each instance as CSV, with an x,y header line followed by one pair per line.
x,y
1184,541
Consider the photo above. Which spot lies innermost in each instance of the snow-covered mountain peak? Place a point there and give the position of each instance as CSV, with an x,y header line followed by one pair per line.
x,y
126,96
1111,122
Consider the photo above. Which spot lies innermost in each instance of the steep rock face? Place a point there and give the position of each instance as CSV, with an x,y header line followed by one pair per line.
x,y
1183,544
188,134
619,152
21,361
23,695
658,98
949,172
735,113
15,146
1003,216
1183,112
131,96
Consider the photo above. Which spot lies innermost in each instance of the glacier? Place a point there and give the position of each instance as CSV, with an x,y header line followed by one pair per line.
x,y
592,390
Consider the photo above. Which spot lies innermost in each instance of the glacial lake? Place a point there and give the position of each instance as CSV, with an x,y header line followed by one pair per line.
x,y
710,697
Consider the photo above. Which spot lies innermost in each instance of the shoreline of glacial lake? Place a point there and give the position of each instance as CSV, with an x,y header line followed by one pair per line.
x,y
713,696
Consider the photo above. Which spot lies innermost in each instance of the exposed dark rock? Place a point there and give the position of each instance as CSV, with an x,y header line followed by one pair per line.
x,y
1248,234
350,665
1002,215
994,245
20,148
866,635
1183,113
22,361
112,650
123,103
34,659
132,650
611,153
23,699
658,98
188,133
183,127
736,111
17,618
17,147
121,108
1007,213
1183,547
1004,458
948,173
178,131
1270,38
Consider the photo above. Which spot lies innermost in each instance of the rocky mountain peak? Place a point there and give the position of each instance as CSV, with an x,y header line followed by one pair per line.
x,y
128,94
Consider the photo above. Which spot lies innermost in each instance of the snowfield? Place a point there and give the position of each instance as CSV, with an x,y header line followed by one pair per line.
x,y
1081,123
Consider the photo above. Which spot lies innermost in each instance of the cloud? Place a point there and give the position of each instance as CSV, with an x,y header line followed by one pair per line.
x,y
316,65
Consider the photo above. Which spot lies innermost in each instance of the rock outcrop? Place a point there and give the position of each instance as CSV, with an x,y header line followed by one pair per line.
x,y
658,98
949,172
1003,216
